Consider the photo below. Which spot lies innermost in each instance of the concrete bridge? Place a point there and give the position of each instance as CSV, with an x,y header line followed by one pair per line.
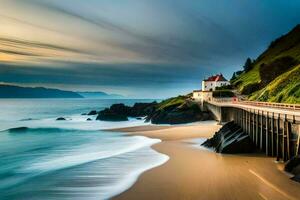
x,y
273,127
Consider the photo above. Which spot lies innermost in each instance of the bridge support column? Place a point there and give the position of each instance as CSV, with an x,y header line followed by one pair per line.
x,y
256,128
261,131
267,134
283,139
272,135
298,143
277,136
288,132
249,122
253,126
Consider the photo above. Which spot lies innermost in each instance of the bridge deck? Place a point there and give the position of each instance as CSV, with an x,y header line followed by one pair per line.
x,y
290,112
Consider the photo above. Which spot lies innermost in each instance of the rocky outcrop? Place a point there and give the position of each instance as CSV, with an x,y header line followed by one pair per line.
x,y
177,110
181,113
293,166
111,115
61,119
121,112
230,139
142,109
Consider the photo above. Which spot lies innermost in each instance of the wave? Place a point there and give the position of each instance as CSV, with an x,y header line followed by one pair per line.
x,y
65,161
26,119
75,147
86,155
24,129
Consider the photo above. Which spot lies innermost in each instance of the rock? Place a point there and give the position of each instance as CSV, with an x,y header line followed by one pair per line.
x,y
93,112
109,115
142,109
26,119
230,139
296,178
178,110
61,119
293,166
88,119
139,118
187,112
83,114
120,109
121,112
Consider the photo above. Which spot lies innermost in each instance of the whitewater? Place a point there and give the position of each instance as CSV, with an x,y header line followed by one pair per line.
x,y
42,158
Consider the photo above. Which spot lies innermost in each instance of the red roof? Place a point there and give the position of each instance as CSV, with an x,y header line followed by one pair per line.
x,y
218,77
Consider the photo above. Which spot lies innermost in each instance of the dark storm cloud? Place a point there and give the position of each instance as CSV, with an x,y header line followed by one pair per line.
x,y
95,74
174,48
165,44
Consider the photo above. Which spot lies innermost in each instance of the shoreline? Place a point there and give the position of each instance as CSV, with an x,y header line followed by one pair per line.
x,y
195,173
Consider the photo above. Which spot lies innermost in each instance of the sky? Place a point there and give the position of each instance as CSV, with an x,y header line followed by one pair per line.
x,y
137,48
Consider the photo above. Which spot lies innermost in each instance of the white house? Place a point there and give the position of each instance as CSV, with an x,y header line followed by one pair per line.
x,y
208,86
212,82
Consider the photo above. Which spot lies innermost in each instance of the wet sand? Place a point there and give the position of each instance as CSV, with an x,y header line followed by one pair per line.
x,y
197,173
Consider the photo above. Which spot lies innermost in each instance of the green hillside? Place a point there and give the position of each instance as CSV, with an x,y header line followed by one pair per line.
x,y
272,70
285,88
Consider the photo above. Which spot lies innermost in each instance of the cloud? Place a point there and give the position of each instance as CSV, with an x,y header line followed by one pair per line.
x,y
172,48
21,44
17,53
135,44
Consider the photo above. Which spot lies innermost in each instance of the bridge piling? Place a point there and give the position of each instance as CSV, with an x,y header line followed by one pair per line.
x,y
283,139
272,134
277,137
253,126
267,134
288,131
256,128
250,123
261,130
298,143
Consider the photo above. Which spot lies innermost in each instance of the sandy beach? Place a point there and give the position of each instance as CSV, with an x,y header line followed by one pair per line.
x,y
198,173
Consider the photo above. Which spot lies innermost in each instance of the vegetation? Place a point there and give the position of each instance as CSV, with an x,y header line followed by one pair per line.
x,y
272,69
177,110
285,88
223,93
225,87
248,65
235,75
171,102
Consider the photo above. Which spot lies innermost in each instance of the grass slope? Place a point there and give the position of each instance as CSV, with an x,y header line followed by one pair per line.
x,y
285,88
287,45
172,102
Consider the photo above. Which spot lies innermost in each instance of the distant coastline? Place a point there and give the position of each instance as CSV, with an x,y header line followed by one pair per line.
x,y
15,91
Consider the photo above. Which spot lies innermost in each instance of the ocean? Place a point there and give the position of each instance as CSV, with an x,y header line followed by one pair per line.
x,y
42,158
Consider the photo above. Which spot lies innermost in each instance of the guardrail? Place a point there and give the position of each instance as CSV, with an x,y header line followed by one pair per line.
x,y
271,105
257,103
222,100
